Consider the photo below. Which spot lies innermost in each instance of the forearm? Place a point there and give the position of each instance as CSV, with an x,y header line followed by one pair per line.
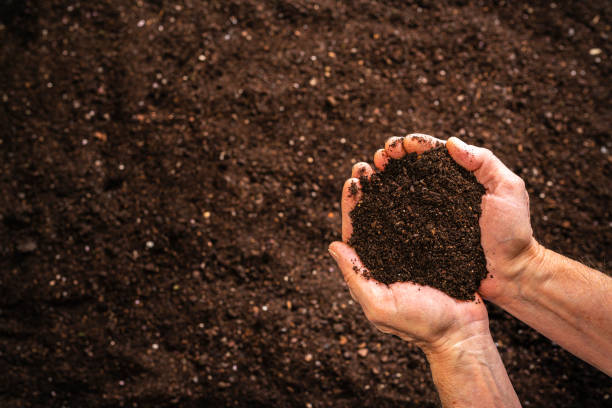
x,y
567,302
471,374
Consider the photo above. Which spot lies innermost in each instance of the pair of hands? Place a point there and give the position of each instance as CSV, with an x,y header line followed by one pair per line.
x,y
424,315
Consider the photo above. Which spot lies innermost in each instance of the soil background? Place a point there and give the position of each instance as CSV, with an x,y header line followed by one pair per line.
x,y
170,174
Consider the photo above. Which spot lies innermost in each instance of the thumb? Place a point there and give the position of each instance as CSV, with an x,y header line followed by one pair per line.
x,y
488,169
361,289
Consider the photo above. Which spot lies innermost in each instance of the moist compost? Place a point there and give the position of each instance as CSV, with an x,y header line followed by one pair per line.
x,y
417,221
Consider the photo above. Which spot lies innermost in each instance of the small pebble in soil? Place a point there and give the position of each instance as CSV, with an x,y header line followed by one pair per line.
x,y
101,136
27,246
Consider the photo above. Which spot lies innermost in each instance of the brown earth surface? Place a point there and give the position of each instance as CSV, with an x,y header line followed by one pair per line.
x,y
170,174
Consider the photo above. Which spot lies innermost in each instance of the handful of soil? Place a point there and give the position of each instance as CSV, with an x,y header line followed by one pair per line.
x,y
417,221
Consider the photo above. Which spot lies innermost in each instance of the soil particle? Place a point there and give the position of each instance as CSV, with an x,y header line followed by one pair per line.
x,y
353,189
338,328
417,221
27,246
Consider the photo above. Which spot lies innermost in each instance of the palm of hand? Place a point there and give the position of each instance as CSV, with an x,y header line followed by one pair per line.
x,y
421,314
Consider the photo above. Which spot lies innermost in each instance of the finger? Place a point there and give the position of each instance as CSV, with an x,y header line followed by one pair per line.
x,y
394,147
351,193
361,169
365,291
381,158
419,143
488,169
470,157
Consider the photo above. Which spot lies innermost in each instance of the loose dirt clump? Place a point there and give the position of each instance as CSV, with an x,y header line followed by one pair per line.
x,y
417,221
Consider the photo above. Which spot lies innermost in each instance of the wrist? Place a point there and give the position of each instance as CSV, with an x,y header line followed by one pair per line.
x,y
532,268
471,373
525,271
464,353
473,336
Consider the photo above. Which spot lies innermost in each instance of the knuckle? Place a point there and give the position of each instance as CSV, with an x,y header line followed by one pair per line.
x,y
517,183
487,154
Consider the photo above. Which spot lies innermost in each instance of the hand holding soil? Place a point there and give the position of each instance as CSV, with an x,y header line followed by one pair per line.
x,y
563,299
451,332
413,312
421,314
506,239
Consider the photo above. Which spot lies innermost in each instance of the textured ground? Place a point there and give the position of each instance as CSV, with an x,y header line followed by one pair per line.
x,y
170,175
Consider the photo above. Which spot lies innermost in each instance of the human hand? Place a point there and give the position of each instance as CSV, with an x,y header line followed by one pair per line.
x,y
430,318
506,234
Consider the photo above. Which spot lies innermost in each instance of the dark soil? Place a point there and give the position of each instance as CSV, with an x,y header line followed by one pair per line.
x,y
170,175
417,221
